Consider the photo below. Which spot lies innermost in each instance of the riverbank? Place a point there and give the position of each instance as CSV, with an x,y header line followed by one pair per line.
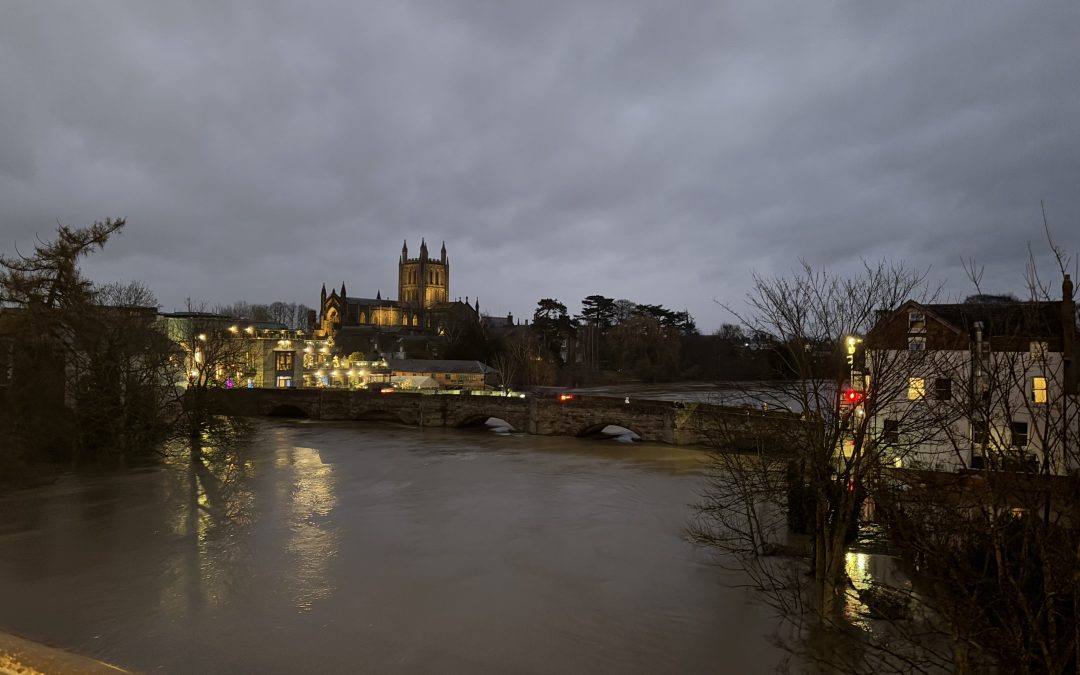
x,y
19,656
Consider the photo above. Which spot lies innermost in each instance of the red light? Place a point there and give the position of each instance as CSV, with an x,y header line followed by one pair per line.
x,y
852,396
386,390
566,397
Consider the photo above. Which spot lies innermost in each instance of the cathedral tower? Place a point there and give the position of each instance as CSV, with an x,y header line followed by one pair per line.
x,y
423,282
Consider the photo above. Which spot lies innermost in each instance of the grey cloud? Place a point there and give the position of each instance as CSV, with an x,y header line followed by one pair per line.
x,y
638,149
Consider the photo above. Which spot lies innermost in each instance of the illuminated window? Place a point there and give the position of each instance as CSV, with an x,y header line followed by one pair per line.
x,y
283,361
284,382
916,388
1038,390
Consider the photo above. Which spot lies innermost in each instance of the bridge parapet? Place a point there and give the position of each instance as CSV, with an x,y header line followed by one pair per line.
x,y
675,423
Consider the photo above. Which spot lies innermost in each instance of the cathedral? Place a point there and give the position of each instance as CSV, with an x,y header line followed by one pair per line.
x,y
423,303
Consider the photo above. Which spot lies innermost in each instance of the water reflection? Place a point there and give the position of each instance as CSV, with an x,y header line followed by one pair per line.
x,y
210,504
870,596
306,485
220,501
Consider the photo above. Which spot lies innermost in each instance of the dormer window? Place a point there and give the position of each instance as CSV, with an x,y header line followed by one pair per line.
x,y
1038,349
916,322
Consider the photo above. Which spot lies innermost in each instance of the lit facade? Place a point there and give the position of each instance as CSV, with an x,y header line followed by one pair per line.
x,y
423,303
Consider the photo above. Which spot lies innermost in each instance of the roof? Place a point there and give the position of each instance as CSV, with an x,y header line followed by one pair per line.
x,y
415,382
1004,318
999,317
439,366
383,302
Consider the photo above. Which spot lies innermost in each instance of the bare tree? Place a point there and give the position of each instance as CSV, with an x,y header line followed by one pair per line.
x,y
211,353
997,543
755,499
507,367
966,439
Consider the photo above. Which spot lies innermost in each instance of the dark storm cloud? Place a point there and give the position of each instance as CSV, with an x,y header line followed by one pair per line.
x,y
654,151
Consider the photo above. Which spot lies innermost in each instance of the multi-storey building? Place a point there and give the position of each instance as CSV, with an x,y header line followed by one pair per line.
x,y
990,383
242,353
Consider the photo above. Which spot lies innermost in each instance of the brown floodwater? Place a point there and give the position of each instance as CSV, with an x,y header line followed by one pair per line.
x,y
378,548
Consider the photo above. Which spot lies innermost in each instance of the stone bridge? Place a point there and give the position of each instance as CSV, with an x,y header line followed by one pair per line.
x,y
652,421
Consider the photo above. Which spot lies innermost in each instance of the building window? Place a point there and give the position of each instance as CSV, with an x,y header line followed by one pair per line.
x,y
916,388
916,344
1019,432
284,382
943,389
890,434
1038,390
283,361
980,433
916,322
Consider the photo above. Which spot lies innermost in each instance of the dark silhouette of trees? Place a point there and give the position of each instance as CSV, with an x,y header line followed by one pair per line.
x,y
552,326
596,310
289,314
84,363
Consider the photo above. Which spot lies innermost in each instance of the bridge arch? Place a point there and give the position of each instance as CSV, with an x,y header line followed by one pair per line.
x,y
594,428
480,418
288,410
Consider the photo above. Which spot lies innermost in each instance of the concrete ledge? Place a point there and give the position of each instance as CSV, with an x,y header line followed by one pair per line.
x,y
19,656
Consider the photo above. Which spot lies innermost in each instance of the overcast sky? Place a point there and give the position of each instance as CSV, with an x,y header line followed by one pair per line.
x,y
656,151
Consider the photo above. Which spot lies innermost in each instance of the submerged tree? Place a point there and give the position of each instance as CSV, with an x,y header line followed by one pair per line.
x,y
997,542
966,440
86,386
818,487
213,354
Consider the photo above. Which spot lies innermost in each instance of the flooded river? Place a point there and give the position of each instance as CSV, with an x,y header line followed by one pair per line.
x,y
382,549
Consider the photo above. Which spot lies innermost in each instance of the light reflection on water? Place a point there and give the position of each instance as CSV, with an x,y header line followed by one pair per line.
x,y
311,543
380,548
869,574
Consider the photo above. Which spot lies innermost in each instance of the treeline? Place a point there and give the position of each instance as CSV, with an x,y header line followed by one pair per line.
x,y
618,340
290,314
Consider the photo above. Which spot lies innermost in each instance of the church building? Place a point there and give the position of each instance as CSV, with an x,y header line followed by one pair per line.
x,y
423,303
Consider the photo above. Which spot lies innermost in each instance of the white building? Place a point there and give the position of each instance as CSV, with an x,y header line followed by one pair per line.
x,y
990,383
